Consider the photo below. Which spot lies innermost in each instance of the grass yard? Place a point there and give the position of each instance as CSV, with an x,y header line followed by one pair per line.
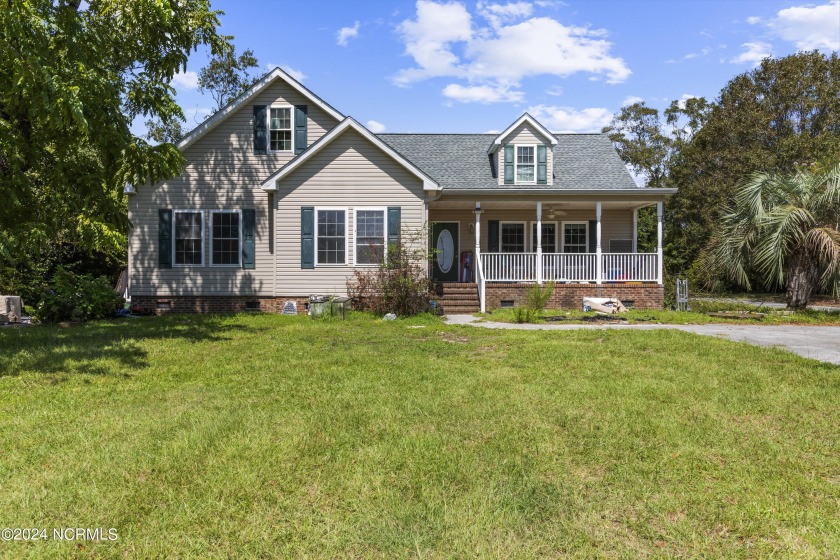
x,y
269,436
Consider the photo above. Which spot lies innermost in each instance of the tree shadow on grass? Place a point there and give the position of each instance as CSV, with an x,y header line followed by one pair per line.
x,y
105,347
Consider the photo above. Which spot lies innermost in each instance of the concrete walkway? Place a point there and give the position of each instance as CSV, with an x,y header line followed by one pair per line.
x,y
818,343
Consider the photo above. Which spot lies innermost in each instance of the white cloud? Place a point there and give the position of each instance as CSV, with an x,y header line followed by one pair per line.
x,y
499,14
346,33
809,27
567,119
427,40
631,100
483,94
753,53
294,73
444,42
556,91
375,126
753,20
185,80
702,52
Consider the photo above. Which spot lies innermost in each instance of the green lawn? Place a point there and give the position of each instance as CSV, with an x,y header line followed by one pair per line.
x,y
261,435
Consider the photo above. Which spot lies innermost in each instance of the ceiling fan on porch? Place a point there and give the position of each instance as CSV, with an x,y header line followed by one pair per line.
x,y
551,212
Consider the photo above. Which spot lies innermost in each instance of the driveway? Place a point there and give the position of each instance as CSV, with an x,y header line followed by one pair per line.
x,y
818,343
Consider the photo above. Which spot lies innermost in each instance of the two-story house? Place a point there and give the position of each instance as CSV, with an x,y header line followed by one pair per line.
x,y
283,197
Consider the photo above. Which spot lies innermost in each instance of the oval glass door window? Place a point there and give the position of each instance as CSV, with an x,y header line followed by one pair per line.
x,y
445,251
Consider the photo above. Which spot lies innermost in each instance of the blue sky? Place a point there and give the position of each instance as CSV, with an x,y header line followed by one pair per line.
x,y
428,66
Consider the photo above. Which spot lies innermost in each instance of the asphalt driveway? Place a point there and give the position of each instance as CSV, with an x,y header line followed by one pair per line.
x,y
818,343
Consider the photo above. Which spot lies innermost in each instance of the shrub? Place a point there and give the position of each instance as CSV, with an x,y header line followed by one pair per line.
x,y
536,298
77,297
400,284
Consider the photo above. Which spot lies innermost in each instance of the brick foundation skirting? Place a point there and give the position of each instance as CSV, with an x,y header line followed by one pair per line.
x,y
216,304
570,296
565,296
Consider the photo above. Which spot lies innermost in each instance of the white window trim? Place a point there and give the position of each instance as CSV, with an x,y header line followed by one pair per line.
x,y
516,180
356,211
210,246
563,234
346,236
203,237
544,222
292,124
525,233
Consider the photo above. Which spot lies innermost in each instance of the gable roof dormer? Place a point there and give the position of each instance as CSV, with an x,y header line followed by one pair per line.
x,y
259,86
499,140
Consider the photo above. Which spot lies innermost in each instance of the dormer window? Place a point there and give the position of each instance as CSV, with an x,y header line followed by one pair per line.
x,y
525,164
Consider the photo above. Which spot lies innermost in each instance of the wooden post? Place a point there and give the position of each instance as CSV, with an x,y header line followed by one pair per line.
x,y
539,263
599,273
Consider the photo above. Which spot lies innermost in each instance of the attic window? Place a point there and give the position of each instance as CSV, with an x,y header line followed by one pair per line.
x,y
525,164
280,129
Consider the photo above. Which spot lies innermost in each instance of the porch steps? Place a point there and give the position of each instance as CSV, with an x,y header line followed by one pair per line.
x,y
457,297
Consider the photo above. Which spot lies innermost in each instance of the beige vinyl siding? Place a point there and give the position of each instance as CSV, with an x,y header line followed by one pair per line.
x,y
525,134
222,173
350,173
615,224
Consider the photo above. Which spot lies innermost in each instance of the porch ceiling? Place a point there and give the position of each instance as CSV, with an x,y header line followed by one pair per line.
x,y
548,201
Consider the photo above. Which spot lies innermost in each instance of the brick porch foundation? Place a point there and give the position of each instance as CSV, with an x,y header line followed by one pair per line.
x,y
570,296
216,304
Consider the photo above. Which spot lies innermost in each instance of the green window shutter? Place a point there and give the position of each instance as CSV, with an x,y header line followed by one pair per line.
x,y
300,128
249,235
542,167
165,238
593,235
260,133
307,237
493,236
393,224
509,180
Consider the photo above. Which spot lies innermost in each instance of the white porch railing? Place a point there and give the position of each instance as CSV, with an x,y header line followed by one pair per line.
x,y
569,267
509,267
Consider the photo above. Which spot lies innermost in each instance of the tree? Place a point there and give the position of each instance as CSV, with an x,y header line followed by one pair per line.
x,y
226,76
785,226
636,132
785,111
73,77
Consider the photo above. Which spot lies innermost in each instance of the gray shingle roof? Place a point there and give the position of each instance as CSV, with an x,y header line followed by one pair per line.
x,y
460,161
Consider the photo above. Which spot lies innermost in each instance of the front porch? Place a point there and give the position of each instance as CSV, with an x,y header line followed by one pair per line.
x,y
586,247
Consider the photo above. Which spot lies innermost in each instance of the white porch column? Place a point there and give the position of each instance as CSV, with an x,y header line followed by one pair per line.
x,y
477,231
599,273
635,230
659,242
539,263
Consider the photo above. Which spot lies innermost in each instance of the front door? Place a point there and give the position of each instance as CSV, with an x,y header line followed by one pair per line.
x,y
445,244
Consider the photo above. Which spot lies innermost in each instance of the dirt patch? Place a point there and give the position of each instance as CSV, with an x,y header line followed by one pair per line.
x,y
449,337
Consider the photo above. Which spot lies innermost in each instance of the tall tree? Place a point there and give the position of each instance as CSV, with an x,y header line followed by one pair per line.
x,y
784,226
784,112
636,132
73,77
227,75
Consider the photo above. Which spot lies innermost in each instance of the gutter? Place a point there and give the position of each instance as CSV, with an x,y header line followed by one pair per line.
x,y
640,192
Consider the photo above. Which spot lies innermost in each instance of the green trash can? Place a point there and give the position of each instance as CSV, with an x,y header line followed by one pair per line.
x,y
318,305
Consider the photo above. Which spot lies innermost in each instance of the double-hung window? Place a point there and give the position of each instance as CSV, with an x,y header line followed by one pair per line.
x,y
575,237
225,235
525,164
512,237
331,231
370,236
189,237
549,237
280,129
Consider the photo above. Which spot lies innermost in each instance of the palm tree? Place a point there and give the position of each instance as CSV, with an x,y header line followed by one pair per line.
x,y
785,228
